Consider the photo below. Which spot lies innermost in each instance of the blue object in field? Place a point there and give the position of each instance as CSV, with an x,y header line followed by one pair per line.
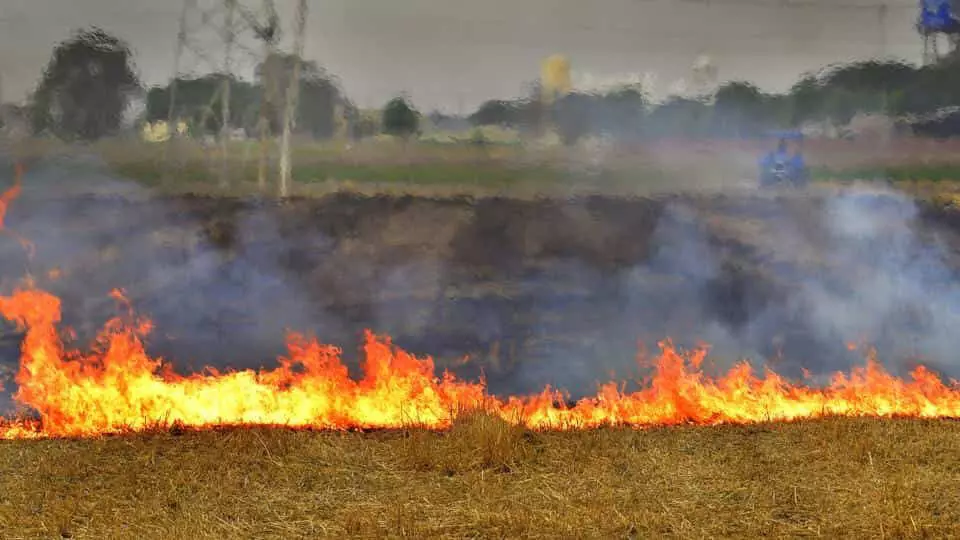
x,y
797,162
938,16
793,166
786,135
771,159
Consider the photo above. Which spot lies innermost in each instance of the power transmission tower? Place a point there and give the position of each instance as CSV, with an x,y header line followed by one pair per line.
x,y
268,32
205,25
229,38
293,91
172,124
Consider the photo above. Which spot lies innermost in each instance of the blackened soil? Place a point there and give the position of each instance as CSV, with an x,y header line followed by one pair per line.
x,y
533,292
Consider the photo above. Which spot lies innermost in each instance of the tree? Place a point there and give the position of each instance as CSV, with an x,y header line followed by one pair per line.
x,y
873,81
806,97
497,112
739,109
360,124
198,99
678,117
86,87
198,102
572,116
622,111
319,94
933,87
400,119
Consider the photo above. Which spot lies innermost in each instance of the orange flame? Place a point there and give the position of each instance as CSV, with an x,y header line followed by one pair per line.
x,y
8,197
118,388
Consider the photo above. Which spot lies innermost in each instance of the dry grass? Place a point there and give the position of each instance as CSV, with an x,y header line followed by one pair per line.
x,y
849,478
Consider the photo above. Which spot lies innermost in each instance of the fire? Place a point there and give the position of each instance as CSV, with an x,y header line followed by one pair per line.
x,y
118,388
8,197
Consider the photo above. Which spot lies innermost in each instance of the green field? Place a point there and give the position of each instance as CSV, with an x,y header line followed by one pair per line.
x,y
924,167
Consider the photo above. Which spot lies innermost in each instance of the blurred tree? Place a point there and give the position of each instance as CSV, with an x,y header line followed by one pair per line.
x,y
198,102
805,100
400,119
678,117
739,110
572,117
198,99
498,112
622,112
319,94
934,87
86,87
359,125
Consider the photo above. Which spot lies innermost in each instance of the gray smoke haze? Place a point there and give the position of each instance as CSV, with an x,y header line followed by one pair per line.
x,y
876,276
901,295
210,306
799,278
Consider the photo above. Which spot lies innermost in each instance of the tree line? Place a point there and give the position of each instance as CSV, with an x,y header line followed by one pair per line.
x,y
834,95
91,80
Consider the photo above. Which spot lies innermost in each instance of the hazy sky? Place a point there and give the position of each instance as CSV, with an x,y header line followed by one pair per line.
x,y
455,53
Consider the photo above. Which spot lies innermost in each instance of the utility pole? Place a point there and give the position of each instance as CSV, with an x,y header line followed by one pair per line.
x,y
177,55
293,95
229,38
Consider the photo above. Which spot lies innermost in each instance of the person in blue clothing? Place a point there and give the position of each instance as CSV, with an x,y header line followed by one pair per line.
x,y
778,166
798,167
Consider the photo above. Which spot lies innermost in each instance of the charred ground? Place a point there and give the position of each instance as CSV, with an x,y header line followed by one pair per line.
x,y
533,292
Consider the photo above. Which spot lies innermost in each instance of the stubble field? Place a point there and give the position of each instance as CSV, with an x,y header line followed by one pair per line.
x,y
533,292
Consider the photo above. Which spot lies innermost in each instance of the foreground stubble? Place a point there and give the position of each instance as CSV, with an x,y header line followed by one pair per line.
x,y
851,478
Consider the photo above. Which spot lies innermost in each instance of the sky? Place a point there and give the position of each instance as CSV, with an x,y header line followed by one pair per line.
x,y
454,54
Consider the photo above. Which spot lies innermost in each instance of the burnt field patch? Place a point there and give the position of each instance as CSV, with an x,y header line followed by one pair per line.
x,y
526,293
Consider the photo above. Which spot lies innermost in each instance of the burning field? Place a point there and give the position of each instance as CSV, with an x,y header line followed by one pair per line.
x,y
121,389
518,329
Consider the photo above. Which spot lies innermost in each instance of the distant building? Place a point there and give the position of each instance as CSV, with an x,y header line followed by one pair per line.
x,y
555,78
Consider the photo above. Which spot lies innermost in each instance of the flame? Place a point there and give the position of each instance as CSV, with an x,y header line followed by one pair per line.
x,y
118,388
8,197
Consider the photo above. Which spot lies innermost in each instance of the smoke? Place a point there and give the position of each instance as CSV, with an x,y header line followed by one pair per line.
x,y
900,293
856,267
666,296
534,293
219,297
